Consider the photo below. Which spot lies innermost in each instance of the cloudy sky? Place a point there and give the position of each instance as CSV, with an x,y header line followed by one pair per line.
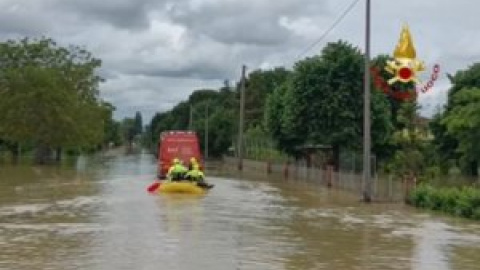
x,y
156,52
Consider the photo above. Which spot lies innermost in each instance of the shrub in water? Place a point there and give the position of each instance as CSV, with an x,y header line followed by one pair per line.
x,y
463,202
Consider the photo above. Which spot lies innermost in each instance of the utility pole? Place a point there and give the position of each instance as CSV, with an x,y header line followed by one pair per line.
x,y
206,132
242,112
367,178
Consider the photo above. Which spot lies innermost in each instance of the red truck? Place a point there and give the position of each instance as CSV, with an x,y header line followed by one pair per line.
x,y
177,144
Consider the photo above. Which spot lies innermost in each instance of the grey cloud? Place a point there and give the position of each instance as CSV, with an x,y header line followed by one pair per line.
x,y
107,74
206,64
198,70
241,29
150,94
195,57
156,52
19,20
128,14
189,68
16,25
253,22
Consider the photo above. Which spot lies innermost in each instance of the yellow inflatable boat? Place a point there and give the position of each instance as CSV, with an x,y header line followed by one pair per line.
x,y
180,187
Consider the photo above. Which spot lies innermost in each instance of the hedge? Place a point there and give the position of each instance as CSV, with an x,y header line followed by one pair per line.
x,y
462,202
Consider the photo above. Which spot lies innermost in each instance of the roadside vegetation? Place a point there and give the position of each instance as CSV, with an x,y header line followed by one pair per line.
x,y
50,103
458,201
319,102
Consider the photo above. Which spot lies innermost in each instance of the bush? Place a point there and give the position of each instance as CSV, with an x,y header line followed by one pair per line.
x,y
462,202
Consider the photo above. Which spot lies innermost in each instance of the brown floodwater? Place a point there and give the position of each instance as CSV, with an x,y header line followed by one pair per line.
x,y
95,213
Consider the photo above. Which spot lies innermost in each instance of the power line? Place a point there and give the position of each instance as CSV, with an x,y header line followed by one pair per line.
x,y
337,21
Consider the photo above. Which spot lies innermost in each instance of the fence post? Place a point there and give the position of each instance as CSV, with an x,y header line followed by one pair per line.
x,y
329,175
285,169
390,187
409,182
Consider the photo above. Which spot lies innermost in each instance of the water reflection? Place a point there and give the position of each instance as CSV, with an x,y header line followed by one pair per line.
x,y
181,214
431,246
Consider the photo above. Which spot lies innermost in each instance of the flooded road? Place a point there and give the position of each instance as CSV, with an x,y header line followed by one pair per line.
x,y
97,215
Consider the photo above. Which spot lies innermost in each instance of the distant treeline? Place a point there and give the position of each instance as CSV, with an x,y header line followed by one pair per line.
x,y
320,102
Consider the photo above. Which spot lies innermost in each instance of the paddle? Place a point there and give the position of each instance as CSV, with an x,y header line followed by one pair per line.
x,y
153,187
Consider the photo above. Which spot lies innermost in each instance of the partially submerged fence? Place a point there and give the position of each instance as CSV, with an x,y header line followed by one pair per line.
x,y
385,189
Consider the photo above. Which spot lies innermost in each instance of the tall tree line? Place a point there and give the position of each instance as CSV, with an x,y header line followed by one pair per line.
x,y
193,113
49,98
320,102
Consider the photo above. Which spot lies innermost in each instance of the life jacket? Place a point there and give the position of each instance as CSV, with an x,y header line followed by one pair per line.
x,y
195,174
178,168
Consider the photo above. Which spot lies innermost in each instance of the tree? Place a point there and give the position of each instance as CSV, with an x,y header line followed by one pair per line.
x,y
259,84
201,95
128,130
49,96
220,124
463,79
138,126
274,120
112,129
462,122
222,108
220,128
447,142
323,103
379,72
409,160
444,143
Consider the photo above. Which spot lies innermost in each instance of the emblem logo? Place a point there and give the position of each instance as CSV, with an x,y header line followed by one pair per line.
x,y
404,68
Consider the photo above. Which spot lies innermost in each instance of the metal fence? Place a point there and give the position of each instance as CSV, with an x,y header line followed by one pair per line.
x,y
385,189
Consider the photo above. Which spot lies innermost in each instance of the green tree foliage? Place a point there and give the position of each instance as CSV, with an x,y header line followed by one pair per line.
x,y
462,79
49,95
408,143
138,123
274,120
323,103
462,122
409,159
202,95
320,101
447,142
128,130
220,127
112,129
222,117
462,202
379,63
259,84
